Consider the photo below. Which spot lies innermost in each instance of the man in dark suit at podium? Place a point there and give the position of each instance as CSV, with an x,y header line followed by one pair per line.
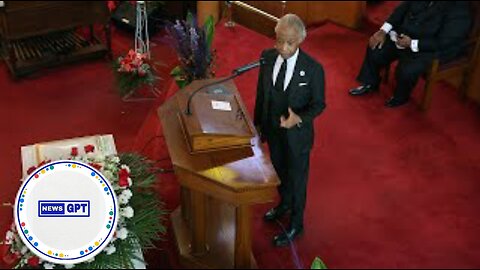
x,y
290,94
415,33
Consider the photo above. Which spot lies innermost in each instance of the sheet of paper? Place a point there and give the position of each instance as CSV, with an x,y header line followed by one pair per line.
x,y
221,105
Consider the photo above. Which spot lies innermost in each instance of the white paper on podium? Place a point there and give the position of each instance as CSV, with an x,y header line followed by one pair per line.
x,y
221,105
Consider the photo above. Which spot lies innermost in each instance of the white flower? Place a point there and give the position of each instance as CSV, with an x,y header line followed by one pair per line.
x,y
127,212
110,249
91,155
122,199
113,239
122,233
108,174
69,266
125,196
116,159
127,193
9,237
24,250
48,266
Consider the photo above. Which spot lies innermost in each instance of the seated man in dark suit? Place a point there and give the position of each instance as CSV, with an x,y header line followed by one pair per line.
x,y
415,34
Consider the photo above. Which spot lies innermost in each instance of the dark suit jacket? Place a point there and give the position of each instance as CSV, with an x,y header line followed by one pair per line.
x,y
441,27
306,97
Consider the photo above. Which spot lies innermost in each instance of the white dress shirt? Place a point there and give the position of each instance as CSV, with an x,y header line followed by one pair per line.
x,y
387,28
290,68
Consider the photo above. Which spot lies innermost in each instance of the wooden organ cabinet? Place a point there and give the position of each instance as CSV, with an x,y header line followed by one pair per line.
x,y
41,34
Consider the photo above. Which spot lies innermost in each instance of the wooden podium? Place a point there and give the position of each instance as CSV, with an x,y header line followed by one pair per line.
x,y
212,226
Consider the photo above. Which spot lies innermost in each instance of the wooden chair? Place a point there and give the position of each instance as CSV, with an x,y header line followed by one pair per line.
x,y
458,68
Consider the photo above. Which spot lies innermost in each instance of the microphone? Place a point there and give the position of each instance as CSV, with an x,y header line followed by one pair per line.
x,y
235,73
247,67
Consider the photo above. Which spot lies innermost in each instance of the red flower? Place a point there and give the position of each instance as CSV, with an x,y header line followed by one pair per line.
x,y
31,169
9,259
112,5
44,162
74,152
89,148
131,54
125,61
97,166
33,261
127,67
123,182
123,176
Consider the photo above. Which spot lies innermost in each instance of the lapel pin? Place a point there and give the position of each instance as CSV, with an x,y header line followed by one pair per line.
x,y
302,73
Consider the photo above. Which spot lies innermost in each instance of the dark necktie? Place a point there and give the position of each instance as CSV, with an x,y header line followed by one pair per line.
x,y
280,82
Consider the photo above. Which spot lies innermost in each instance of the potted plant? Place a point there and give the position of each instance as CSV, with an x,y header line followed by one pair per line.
x,y
193,45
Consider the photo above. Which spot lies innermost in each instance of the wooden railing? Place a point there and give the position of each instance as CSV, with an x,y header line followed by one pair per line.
x,y
262,16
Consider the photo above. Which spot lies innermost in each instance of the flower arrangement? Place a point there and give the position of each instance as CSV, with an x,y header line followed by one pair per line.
x,y
133,71
140,215
193,45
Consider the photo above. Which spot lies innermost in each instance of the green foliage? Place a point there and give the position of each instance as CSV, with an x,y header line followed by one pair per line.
x,y
318,264
149,211
209,27
179,76
145,227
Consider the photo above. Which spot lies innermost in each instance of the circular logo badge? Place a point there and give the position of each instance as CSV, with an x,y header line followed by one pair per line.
x,y
66,212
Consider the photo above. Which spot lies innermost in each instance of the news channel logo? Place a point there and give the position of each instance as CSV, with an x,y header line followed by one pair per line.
x,y
66,212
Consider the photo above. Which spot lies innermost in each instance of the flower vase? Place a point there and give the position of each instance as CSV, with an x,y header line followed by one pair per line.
x,y
145,92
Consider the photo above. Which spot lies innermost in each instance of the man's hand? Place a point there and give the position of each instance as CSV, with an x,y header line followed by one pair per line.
x,y
377,39
292,120
404,41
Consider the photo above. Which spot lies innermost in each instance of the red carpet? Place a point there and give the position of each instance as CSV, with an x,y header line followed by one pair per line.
x,y
388,188
379,11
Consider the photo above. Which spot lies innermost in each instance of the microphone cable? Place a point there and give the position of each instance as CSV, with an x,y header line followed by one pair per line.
x,y
293,248
158,170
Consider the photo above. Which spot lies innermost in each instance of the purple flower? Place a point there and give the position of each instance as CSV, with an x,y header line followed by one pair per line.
x,y
190,42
